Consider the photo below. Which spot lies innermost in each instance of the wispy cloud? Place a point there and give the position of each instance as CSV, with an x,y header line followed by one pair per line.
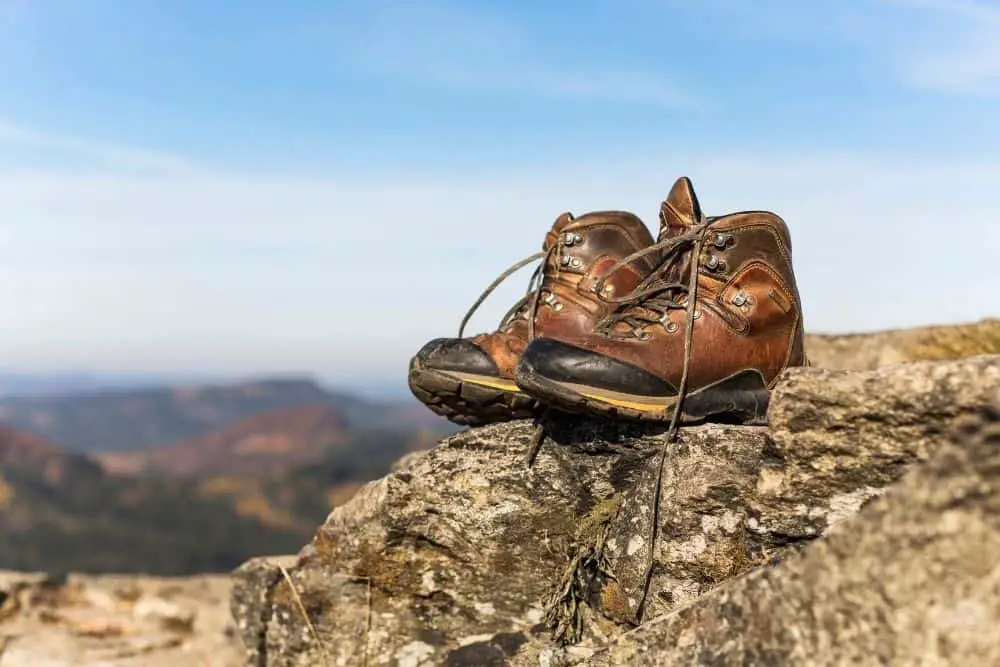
x,y
950,46
105,153
946,47
473,49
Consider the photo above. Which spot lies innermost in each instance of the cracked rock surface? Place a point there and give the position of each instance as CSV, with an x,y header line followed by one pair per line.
x,y
913,580
449,559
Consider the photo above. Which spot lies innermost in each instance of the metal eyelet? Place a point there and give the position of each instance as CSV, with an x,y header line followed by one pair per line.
x,y
550,299
570,238
715,263
722,240
576,263
672,327
742,299
697,314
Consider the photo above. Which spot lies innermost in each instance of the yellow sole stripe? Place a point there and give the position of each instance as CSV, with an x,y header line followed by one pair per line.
x,y
632,405
492,383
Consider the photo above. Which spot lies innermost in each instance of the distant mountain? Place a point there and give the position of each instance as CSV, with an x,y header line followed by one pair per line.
x,y
62,511
24,452
178,480
300,497
131,420
257,445
53,384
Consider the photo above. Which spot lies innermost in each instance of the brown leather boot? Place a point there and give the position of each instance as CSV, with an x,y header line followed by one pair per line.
x,y
719,340
471,380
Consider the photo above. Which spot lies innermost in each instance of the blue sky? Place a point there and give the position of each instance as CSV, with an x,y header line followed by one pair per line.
x,y
228,187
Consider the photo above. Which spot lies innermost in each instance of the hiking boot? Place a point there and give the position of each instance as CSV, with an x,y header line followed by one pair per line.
x,y
714,344
471,380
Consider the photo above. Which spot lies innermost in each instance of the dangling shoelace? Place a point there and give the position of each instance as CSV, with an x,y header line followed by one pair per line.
x,y
658,294
532,296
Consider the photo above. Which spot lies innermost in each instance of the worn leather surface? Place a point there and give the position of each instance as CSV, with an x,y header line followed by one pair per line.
x,y
571,275
749,314
457,354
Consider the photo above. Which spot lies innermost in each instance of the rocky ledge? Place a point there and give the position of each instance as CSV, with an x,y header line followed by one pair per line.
x,y
794,543
116,621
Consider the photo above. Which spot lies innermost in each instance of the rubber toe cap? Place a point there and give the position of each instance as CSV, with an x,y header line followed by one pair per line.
x,y
561,362
457,354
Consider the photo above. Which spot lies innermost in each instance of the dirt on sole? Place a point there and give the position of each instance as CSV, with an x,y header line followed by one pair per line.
x,y
470,400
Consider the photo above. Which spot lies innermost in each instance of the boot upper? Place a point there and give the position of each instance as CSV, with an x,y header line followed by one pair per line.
x,y
748,314
570,298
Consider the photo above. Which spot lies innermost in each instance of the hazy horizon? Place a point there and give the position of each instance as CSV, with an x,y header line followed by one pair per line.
x,y
26,383
322,188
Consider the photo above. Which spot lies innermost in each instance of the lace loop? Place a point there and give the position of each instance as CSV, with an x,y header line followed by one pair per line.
x,y
659,292
532,296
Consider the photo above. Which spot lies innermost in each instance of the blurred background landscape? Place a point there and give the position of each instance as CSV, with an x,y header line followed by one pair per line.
x,y
225,227
131,475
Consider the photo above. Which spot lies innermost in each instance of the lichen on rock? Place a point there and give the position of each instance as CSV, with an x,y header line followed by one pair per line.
x,y
912,580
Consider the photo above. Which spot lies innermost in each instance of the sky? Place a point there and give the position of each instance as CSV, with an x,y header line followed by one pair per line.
x,y
248,187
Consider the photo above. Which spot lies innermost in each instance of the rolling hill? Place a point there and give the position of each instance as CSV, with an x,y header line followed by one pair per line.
x,y
61,510
256,445
176,480
137,419
204,505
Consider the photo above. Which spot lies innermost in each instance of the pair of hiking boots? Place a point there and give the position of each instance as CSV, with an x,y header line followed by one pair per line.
x,y
694,326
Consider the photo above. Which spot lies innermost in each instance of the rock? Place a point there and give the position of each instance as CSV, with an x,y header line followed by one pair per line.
x,y
912,580
169,615
868,351
442,561
839,438
99,628
115,621
709,477
452,558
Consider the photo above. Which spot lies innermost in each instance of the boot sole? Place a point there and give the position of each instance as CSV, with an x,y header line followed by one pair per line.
x,y
469,399
742,398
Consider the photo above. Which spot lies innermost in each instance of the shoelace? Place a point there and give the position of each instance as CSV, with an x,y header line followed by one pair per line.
x,y
532,296
658,295
531,299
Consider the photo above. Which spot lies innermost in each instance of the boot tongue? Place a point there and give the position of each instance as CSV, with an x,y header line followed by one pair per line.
x,y
680,210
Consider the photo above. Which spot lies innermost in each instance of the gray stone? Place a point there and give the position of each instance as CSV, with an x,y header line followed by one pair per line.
x,y
451,558
913,580
868,351
839,438
116,621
